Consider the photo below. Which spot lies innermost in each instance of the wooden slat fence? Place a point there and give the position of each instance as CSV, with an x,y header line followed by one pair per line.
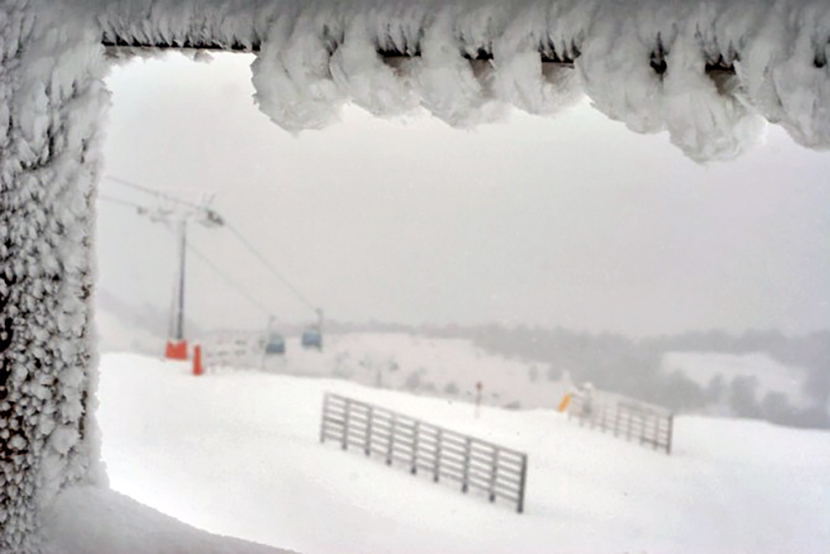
x,y
422,447
650,426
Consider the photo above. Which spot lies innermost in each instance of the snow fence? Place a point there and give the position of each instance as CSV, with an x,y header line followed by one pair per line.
x,y
441,453
644,424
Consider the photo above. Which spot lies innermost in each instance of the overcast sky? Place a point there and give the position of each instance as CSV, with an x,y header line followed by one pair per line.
x,y
571,221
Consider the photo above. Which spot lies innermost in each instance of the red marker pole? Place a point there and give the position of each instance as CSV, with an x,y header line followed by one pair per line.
x,y
478,398
197,360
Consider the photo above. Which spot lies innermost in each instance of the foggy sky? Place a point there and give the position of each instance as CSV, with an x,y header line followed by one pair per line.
x,y
571,221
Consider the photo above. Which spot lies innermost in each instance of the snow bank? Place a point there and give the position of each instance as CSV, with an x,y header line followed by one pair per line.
x,y
709,74
93,519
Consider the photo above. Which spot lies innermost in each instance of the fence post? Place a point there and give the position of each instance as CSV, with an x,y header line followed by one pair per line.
x,y
416,428
368,441
347,411
433,432
522,480
671,433
324,418
592,414
391,446
436,468
656,437
466,471
494,470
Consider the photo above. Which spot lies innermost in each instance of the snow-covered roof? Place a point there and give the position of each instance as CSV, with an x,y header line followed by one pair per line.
x,y
711,74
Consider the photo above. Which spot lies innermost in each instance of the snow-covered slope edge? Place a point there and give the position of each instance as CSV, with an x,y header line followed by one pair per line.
x,y
87,520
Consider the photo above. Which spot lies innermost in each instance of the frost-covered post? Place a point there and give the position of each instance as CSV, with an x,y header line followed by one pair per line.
x,y
51,99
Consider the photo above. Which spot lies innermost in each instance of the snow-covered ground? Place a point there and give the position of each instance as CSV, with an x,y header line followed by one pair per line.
x,y
449,368
237,453
87,519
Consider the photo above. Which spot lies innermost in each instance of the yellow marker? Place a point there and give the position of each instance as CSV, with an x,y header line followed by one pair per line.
x,y
566,400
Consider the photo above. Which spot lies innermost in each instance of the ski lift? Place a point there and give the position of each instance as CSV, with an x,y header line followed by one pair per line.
x,y
275,344
312,338
313,335
209,218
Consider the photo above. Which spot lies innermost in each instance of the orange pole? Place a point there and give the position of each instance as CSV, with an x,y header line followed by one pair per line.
x,y
197,360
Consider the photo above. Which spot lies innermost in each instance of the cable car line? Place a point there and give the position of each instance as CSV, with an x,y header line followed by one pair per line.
x,y
211,214
113,200
270,267
148,190
228,280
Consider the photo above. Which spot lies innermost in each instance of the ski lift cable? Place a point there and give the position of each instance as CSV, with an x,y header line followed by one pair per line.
x,y
270,267
114,200
233,229
153,192
224,276
230,282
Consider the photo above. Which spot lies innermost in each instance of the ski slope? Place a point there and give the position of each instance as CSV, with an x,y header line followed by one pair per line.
x,y
434,366
237,453
451,368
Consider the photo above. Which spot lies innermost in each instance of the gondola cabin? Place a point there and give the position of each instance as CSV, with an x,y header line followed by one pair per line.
x,y
312,338
275,344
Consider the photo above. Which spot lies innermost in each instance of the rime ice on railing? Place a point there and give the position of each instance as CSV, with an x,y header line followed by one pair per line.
x,y
710,74
425,448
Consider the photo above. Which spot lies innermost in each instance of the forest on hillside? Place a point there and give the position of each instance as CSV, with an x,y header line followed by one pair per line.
x,y
635,367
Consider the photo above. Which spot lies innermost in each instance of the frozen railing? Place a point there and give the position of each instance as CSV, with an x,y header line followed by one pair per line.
x,y
420,446
650,426
707,73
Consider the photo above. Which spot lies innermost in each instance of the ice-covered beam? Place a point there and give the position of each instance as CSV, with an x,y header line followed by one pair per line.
x,y
711,74
51,99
